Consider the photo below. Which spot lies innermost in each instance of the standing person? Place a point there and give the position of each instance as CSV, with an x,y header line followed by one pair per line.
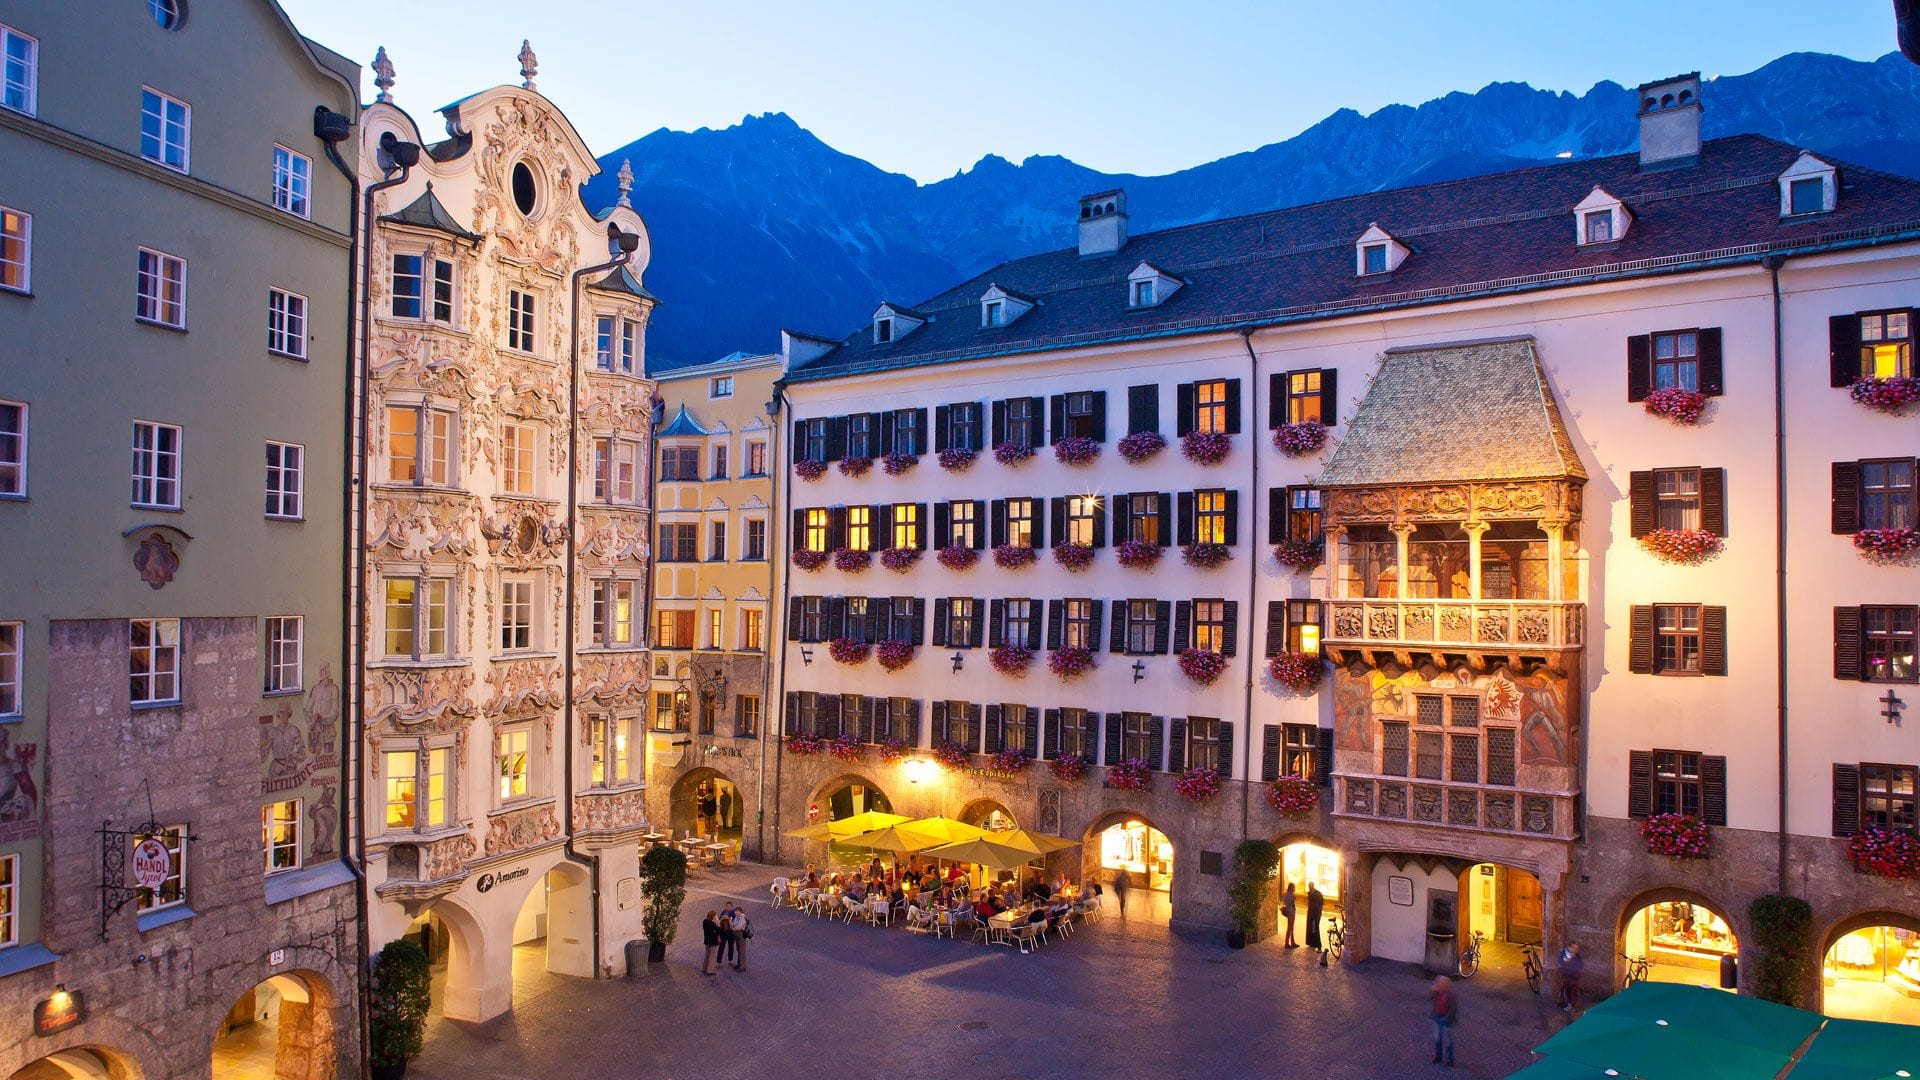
x,y
742,931
710,936
727,937
1443,1006
1572,965
1316,903
1122,885
1286,914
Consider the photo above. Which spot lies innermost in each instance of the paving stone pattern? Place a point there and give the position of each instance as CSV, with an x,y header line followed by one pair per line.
x,y
1119,998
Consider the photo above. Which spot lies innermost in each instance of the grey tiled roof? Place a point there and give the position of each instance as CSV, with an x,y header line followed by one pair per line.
x,y
621,280
1472,411
683,424
426,212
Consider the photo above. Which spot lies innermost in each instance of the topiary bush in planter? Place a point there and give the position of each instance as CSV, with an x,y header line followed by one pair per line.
x,y
397,1008
1254,864
1783,932
663,888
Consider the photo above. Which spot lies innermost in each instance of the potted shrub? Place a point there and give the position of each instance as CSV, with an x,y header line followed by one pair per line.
x,y
847,747
808,559
1129,774
952,755
397,1008
1299,672
848,650
663,888
1202,665
1254,864
894,654
1206,556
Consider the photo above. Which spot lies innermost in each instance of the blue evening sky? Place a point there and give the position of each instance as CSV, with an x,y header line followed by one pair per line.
x,y
1146,86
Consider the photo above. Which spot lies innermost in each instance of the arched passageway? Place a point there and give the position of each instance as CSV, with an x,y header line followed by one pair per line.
x,y
1871,969
1129,846
706,802
1681,938
843,797
279,1029
80,1063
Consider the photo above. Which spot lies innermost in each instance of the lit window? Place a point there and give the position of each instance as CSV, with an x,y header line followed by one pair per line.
x,y
1210,517
612,612
1299,743
20,75
815,536
160,289
284,480
520,320
417,787
513,754
752,629
1210,625
1807,196
173,889
10,637
1303,515
1077,625
419,445
1022,521
287,323
516,615
16,250
1887,643
13,449
722,386
1599,226
1081,520
292,182
9,900
612,762
906,524
1886,345
1888,798
163,129
516,458
283,654
153,661
156,466
416,625
280,835
860,528
1303,396
1210,406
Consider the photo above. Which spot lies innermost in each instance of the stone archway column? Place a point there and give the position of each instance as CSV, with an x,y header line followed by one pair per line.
x,y
1356,901
301,1049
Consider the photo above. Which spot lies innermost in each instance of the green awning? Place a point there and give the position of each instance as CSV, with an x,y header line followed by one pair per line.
x,y
1861,1050
1562,1069
1667,1031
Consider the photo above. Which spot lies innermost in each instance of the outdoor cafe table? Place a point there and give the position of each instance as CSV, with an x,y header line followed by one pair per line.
x,y
1000,927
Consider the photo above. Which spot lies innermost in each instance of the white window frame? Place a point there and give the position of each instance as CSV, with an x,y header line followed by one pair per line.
x,y
286,323
175,837
1367,254
13,637
285,653
18,460
432,452
603,618
616,468
521,306
30,86
519,601
421,777
186,130
154,308
721,386
292,825
295,194
420,617
610,739
286,481
151,457
993,313
1587,220
513,741
24,238
163,640
519,457
9,900
616,343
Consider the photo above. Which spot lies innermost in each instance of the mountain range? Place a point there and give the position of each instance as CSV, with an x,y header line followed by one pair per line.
x,y
761,225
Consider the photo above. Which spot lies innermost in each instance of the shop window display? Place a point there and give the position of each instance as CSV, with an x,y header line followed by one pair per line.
x,y
1681,942
1874,974
1139,849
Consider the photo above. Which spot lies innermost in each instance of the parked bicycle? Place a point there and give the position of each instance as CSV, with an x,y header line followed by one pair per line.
x,y
1536,967
1335,938
1470,960
1636,968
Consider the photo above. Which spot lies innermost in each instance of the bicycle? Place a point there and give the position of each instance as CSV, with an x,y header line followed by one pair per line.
x,y
1470,960
1636,968
1536,968
1336,940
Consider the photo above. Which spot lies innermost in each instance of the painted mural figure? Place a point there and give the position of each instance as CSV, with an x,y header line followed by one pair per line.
x,y
283,745
19,797
325,818
323,713
1542,734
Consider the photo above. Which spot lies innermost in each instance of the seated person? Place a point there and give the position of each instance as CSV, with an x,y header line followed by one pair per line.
x,y
1040,890
897,897
997,901
1037,915
955,873
857,890
813,878
983,910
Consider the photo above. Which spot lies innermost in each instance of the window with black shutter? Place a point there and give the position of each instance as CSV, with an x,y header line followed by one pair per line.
x,y
1136,737
1639,783
1886,494
1023,424
1020,623
1887,643
1297,397
1142,517
1887,798
1073,733
1203,743
1215,406
1639,367
1304,626
1082,415
1885,344
1298,748
1847,653
964,524
957,426
1143,409
1023,528
1210,625
1303,518
1139,627
1078,626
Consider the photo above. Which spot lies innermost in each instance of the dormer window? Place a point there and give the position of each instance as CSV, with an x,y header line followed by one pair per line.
x,y
1600,219
891,322
1377,252
882,331
1000,307
1373,258
994,313
1809,186
1143,293
1149,286
1598,226
1806,196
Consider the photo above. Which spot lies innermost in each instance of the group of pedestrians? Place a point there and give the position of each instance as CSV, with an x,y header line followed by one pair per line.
x,y
725,934
1316,907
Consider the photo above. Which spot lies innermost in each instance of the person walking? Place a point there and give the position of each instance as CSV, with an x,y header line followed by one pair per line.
x,y
1122,885
710,936
728,939
1443,1007
742,930
1286,914
1572,965
1316,903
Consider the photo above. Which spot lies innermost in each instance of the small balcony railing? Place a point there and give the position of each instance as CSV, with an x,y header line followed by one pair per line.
x,y
1493,625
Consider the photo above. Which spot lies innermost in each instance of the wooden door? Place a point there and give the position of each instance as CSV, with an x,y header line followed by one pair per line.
x,y
1523,908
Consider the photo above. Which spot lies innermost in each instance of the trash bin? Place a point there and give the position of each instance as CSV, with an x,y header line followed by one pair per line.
x,y
1443,955
1729,973
636,958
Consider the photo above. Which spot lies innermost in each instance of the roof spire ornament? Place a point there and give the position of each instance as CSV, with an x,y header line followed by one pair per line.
x,y
625,176
383,75
529,64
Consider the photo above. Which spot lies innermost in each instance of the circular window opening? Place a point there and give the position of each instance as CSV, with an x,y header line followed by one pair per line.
x,y
168,13
524,192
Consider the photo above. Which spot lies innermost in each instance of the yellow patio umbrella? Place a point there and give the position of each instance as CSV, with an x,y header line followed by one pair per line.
x,y
983,852
899,839
865,821
1037,842
946,828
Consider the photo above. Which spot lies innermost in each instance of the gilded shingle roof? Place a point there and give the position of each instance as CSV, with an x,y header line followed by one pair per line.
x,y
1448,413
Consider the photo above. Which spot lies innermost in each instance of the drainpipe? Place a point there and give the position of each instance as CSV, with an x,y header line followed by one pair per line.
x,y
1253,584
766,673
622,246
1773,263
777,707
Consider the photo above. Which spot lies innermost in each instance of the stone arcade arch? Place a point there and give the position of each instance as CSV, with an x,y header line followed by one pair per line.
x,y
280,1027
1306,858
706,802
468,983
80,1063
842,796
989,814
1125,842
1870,967
1682,933
554,928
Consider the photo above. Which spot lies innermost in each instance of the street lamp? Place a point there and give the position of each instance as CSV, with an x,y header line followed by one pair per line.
x,y
918,770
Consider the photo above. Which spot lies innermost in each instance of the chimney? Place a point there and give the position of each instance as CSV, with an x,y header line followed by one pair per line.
x,y
1103,223
1670,122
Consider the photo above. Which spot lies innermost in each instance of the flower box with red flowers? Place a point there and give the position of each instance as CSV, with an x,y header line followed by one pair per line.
x,y
958,458
847,748
1887,545
809,468
1677,836
1142,445
957,557
894,655
851,560
899,559
1686,547
1301,439
1014,556
1298,555
897,462
1012,453
809,559
1885,854
1202,665
1070,663
1293,796
856,466
1300,672
1077,450
1676,403
1068,768
1129,774
1009,761
1137,554
1197,785
893,751
1206,556
1205,447
1891,394
804,745
848,650
952,755
1010,659
1073,557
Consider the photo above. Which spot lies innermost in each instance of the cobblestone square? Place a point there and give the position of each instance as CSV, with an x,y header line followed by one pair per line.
x,y
1123,997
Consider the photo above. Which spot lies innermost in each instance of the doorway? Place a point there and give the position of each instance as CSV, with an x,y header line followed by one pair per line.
x,y
1139,850
277,1030
1681,941
1873,973
1503,903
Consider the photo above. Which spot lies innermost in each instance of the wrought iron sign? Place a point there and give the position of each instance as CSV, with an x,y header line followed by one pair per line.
x,y
115,890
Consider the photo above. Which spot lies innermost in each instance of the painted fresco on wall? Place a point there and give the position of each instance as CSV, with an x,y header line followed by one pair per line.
x,y
294,753
19,795
1536,704
1352,727
325,820
1545,736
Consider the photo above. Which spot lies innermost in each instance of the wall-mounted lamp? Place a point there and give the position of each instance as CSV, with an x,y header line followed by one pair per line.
x,y
806,656
773,406
621,243
958,660
919,770
1139,670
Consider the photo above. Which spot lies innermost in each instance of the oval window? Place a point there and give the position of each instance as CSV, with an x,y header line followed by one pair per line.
x,y
168,13
523,188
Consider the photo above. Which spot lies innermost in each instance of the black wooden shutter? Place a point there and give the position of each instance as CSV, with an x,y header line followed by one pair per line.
x,y
1639,367
1056,621
794,605
1182,625
1100,415
879,617
1233,518
1846,496
1640,641
1846,799
943,524
799,450
1277,502
1156,740
1226,748
979,524
1163,510
919,432
836,528
1713,501
880,431
1115,721
1230,642
1050,732
1643,498
1329,396
1639,783
1713,789
1177,745
1093,631
996,623
832,715
978,631
1843,352
1712,369
836,438
1233,406
939,722
1186,519
1143,409
1058,512
881,518
865,721
919,619
942,419
911,724
999,422
1162,617
920,525
1270,752
1276,399
1323,756
1183,409
1713,640
836,617
1122,516
1117,631
1100,521
1846,644
1038,503
1276,627
1056,419
997,522
1033,732
994,737
799,528
941,607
